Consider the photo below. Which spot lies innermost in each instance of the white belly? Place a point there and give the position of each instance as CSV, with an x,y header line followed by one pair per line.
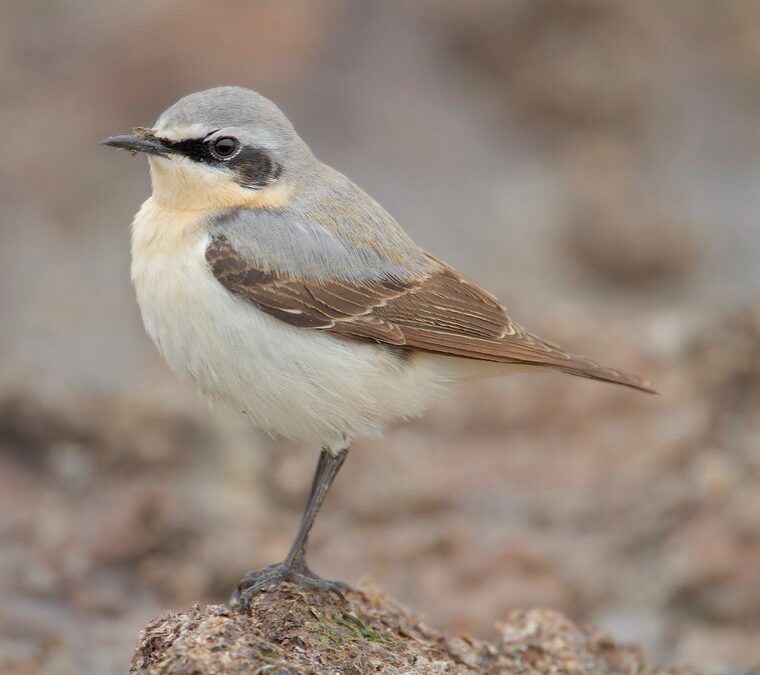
x,y
298,383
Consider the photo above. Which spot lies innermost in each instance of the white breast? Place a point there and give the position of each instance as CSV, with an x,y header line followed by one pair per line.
x,y
298,383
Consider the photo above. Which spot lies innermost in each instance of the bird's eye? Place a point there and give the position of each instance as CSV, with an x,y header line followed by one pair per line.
x,y
225,148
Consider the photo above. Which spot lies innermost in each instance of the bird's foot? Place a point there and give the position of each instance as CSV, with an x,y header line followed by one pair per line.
x,y
263,579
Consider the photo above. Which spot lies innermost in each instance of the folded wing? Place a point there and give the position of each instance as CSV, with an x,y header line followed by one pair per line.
x,y
438,311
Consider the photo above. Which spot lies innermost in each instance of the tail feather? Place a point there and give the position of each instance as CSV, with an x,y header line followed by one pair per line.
x,y
581,366
611,375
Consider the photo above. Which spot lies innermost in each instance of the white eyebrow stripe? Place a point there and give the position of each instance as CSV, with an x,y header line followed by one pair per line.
x,y
184,132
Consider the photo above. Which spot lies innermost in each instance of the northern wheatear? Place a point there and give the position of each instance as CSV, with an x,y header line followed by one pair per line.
x,y
281,288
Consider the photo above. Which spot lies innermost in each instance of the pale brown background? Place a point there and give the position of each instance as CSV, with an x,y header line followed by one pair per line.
x,y
594,162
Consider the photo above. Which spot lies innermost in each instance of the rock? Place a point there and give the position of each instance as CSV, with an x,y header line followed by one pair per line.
x,y
291,630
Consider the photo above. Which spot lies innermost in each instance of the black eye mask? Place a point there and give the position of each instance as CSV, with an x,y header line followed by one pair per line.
x,y
253,167
194,148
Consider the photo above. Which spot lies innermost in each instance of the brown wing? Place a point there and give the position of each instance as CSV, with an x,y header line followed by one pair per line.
x,y
440,312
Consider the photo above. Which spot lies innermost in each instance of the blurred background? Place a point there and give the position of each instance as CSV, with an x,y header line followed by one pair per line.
x,y
594,162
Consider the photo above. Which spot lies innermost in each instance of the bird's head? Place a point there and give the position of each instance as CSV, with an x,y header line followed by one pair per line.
x,y
226,147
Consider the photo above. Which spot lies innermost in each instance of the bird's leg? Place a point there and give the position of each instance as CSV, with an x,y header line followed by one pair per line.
x,y
294,568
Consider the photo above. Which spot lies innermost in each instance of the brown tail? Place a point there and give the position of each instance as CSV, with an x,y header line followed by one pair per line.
x,y
584,367
611,375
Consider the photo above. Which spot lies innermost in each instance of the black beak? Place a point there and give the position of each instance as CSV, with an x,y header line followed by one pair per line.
x,y
136,143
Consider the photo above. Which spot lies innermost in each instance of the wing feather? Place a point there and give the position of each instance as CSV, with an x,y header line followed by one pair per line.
x,y
438,311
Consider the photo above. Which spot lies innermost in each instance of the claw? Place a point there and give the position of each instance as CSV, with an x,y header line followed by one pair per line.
x,y
266,578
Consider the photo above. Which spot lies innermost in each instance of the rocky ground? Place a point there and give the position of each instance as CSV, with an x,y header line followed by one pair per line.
x,y
290,631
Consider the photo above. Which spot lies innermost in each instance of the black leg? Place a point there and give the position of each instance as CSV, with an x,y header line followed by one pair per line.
x,y
327,468
294,568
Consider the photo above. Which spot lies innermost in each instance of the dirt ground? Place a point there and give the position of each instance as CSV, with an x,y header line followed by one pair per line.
x,y
594,163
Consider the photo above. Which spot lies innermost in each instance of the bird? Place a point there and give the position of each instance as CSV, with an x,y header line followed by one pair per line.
x,y
280,288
